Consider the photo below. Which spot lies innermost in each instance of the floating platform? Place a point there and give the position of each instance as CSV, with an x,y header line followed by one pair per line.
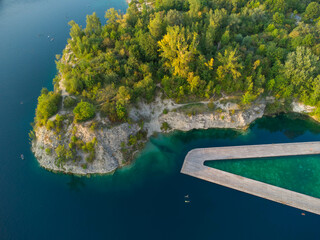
x,y
194,166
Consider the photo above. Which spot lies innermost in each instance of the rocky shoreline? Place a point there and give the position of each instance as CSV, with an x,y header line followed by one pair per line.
x,y
117,145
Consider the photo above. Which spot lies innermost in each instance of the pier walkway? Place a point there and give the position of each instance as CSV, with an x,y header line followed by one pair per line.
x,y
194,166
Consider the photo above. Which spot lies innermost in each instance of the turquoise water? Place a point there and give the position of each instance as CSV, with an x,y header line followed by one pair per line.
x,y
300,173
144,201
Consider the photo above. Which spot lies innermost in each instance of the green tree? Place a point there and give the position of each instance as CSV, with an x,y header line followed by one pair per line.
x,y
48,105
312,11
174,17
300,69
228,72
75,32
123,95
83,111
112,17
157,26
121,111
93,25
195,7
179,48
194,82
278,18
148,46
145,88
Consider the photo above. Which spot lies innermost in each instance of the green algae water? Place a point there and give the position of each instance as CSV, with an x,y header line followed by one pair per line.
x,y
143,201
299,173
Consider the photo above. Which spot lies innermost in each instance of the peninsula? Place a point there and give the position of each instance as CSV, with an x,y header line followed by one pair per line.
x,y
174,65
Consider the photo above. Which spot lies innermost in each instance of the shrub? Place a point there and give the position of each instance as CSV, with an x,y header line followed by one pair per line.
x,y
63,154
133,140
48,151
93,126
91,157
165,126
121,111
211,105
165,111
58,122
83,111
50,125
69,102
109,110
84,166
48,105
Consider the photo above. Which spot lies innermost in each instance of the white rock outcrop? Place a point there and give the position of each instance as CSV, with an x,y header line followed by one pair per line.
x,y
238,119
302,108
110,140
108,155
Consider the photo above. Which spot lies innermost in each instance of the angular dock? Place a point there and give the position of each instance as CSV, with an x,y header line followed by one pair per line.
x,y
194,166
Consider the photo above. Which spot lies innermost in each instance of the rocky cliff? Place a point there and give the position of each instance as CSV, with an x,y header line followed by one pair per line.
x,y
113,147
108,149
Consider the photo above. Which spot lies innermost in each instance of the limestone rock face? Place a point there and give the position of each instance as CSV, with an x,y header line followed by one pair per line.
x,y
236,119
108,155
110,139
302,108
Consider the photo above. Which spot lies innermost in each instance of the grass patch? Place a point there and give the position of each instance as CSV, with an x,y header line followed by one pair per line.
x,y
194,108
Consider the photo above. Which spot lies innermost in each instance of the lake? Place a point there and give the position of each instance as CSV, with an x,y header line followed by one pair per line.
x,y
143,201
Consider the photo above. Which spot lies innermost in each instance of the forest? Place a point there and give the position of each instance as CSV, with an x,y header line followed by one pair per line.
x,y
189,50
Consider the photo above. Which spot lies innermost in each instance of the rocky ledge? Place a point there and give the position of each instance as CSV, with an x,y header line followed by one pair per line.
x,y
115,146
108,149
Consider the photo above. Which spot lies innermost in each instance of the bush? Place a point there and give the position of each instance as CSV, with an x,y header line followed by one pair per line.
x,y
48,105
83,111
63,154
108,109
50,125
48,151
84,166
58,122
211,105
165,111
133,140
69,102
165,126
91,157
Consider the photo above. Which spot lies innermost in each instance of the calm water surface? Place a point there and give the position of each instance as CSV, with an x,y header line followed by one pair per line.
x,y
298,173
145,201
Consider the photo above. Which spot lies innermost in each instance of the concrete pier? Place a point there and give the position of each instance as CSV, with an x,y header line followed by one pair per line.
x,y
194,166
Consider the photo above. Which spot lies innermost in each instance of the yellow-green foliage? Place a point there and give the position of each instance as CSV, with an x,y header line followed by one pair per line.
x,y
48,105
190,50
83,111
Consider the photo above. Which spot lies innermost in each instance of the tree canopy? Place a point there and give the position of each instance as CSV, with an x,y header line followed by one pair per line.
x,y
190,50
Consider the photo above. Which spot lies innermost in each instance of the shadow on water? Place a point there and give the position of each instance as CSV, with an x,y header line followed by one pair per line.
x,y
76,184
291,125
161,147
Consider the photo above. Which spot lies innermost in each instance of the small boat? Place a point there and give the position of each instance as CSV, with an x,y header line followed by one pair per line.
x,y
303,214
21,102
186,201
186,196
52,39
22,156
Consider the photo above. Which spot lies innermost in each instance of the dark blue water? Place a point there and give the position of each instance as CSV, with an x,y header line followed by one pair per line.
x,y
145,201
